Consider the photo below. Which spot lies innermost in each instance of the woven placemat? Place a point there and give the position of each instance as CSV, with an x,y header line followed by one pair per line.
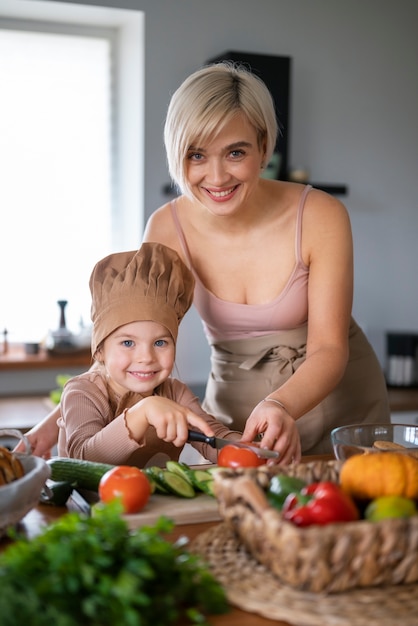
x,y
253,588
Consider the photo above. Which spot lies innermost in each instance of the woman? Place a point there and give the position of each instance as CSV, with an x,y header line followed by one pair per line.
x,y
273,265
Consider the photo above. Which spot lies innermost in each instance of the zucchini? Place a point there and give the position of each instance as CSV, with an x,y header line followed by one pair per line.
x,y
80,473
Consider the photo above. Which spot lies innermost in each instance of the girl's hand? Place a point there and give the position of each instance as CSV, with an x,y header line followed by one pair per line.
x,y
278,429
41,442
170,420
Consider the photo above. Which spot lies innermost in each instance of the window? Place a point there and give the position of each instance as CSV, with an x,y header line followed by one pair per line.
x,y
64,184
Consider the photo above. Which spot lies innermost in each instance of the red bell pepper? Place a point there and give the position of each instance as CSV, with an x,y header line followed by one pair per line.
x,y
319,503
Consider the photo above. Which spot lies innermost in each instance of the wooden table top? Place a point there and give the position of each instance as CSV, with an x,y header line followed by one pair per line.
x,y
42,515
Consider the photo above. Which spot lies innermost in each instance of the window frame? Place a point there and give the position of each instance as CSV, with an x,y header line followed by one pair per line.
x,y
125,31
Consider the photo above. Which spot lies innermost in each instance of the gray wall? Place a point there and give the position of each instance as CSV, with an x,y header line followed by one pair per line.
x,y
354,121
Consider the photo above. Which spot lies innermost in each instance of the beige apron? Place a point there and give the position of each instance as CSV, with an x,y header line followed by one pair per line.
x,y
244,371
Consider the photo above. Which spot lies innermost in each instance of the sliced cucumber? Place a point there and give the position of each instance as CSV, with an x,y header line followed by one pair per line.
x,y
154,474
207,487
176,484
182,470
199,477
151,480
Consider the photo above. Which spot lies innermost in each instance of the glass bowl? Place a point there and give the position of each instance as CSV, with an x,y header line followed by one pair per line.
x,y
366,438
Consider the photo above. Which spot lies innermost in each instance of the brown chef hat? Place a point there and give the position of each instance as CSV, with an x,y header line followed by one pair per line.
x,y
151,283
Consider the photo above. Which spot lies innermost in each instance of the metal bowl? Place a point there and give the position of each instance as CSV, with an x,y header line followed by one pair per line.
x,y
366,438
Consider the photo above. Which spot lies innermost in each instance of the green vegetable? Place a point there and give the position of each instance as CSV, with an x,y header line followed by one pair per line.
x,y
387,507
181,480
182,469
83,474
55,394
153,475
94,571
56,493
176,484
280,487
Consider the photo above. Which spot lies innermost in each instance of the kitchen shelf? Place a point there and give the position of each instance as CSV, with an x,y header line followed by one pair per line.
x,y
17,359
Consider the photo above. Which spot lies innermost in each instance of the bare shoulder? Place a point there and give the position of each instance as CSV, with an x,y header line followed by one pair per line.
x,y
160,227
326,226
322,205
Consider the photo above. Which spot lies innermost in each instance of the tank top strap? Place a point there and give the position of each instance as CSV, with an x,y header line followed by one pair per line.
x,y
298,238
180,234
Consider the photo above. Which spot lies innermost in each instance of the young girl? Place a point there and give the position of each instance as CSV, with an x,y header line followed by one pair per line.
x,y
127,409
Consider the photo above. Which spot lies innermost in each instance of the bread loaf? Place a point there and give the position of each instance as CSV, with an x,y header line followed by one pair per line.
x,y
10,467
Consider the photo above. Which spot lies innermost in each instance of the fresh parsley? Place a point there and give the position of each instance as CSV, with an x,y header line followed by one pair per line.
x,y
96,572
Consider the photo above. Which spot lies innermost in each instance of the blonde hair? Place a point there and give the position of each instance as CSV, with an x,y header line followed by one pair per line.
x,y
207,101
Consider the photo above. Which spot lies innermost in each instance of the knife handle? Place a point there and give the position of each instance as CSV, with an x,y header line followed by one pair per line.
x,y
194,435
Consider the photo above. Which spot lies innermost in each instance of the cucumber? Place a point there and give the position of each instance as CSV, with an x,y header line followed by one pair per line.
x,y
80,473
56,493
153,475
176,484
182,470
199,477
207,487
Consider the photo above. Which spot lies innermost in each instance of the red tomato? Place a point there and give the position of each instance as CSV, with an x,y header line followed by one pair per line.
x,y
127,483
234,456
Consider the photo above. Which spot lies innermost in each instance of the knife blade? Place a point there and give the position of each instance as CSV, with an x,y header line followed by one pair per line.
x,y
216,442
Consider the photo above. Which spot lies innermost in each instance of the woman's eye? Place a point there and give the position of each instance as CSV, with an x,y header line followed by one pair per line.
x,y
235,154
195,156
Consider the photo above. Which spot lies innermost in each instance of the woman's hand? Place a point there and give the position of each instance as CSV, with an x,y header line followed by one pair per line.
x,y
278,429
170,420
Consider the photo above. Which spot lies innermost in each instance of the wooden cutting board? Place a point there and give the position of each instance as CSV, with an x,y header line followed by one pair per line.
x,y
202,508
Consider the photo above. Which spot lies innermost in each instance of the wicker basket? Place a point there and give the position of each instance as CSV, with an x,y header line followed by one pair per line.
x,y
331,558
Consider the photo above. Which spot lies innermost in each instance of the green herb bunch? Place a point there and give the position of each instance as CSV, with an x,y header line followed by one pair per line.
x,y
96,572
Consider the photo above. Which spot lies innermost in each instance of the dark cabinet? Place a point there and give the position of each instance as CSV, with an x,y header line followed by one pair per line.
x,y
275,71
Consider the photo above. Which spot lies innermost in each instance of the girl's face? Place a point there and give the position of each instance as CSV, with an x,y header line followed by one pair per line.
x,y
138,357
224,172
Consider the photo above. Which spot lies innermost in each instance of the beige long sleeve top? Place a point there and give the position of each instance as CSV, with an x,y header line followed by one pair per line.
x,y
92,424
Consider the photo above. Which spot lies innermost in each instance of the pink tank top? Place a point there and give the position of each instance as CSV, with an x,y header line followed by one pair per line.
x,y
224,320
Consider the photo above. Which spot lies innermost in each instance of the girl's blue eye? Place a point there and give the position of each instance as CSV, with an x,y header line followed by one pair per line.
x,y
128,343
160,343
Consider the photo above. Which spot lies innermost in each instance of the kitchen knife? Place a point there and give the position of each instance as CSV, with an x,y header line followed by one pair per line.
x,y
216,442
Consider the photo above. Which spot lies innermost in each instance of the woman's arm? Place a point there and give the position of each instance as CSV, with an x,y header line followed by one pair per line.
x,y
328,250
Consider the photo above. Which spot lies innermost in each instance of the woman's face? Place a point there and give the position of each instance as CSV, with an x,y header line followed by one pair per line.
x,y
223,173
138,357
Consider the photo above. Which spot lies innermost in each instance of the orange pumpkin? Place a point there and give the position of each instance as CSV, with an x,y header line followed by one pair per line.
x,y
368,476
